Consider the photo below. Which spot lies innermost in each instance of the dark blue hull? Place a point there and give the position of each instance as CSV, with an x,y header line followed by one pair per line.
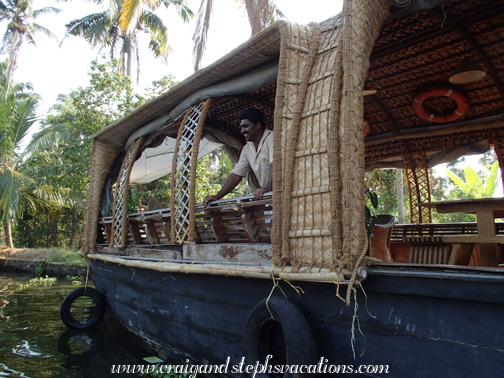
x,y
415,321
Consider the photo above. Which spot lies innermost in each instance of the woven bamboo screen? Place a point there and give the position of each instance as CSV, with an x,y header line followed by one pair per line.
x,y
417,179
183,184
102,157
120,213
318,181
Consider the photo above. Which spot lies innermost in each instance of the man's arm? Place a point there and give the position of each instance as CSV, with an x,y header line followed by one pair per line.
x,y
228,186
258,194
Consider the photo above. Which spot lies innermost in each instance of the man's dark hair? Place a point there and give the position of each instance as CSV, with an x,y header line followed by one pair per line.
x,y
253,115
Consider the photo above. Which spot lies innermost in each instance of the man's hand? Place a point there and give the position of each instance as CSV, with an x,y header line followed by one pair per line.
x,y
209,199
259,193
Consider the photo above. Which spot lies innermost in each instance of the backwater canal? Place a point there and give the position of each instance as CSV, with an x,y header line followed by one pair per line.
x,y
35,343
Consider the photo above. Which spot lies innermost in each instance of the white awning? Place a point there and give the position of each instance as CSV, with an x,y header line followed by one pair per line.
x,y
157,162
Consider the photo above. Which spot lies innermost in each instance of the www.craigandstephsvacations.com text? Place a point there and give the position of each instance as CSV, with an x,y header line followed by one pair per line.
x,y
322,367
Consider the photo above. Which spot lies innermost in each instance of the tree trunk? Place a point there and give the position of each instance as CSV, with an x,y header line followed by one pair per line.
x,y
400,195
12,60
8,235
74,226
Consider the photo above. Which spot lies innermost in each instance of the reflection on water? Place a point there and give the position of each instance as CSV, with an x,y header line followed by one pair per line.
x,y
35,343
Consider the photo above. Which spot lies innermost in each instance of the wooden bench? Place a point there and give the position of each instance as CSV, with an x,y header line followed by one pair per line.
x,y
428,250
403,251
235,220
463,252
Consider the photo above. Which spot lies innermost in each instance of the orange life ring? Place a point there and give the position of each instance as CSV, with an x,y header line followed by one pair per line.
x,y
366,128
454,94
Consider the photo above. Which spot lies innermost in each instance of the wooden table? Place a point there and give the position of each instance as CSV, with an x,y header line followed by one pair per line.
x,y
486,210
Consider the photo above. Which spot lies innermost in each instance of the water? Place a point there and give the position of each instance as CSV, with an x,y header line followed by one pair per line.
x,y
35,343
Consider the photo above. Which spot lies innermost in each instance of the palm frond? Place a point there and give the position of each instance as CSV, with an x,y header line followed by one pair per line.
x,y
275,14
183,10
46,10
7,42
36,28
52,195
130,15
201,32
93,28
158,33
11,183
24,118
48,137
256,10
261,14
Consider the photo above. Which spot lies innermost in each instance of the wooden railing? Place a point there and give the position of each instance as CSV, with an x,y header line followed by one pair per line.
x,y
243,220
236,220
408,239
401,231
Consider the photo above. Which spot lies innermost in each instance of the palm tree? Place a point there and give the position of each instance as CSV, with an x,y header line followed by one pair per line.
x,y
133,9
22,182
118,27
20,15
17,116
260,13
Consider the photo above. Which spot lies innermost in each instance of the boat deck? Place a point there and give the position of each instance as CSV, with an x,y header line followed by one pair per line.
x,y
239,230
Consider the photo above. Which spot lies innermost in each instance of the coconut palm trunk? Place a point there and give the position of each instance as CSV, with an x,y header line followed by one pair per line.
x,y
8,235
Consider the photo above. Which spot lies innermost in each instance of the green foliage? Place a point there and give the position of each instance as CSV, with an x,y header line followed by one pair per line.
x,y
382,182
63,154
22,185
38,281
205,182
465,183
75,280
39,269
371,204
156,191
472,184
160,86
45,228
221,166
66,256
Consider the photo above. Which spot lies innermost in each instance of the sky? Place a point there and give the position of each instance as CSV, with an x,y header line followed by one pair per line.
x,y
57,68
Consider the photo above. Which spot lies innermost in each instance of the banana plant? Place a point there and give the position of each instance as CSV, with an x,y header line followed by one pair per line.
x,y
472,184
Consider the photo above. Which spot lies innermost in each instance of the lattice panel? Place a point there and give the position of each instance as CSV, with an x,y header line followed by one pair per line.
x,y
119,218
181,180
417,175
499,150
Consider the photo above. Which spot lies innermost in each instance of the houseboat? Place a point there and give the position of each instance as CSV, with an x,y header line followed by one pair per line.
x,y
289,285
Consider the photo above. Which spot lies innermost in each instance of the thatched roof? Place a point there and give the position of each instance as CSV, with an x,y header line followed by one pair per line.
x,y
421,50
414,51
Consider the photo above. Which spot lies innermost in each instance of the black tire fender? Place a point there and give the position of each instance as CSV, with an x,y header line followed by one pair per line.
x,y
66,305
297,336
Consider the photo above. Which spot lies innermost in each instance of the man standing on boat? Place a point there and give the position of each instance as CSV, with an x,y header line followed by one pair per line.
x,y
256,156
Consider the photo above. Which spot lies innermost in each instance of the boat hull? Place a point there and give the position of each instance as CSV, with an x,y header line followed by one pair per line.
x,y
411,321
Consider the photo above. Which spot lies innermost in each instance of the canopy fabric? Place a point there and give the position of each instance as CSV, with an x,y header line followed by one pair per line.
x,y
157,162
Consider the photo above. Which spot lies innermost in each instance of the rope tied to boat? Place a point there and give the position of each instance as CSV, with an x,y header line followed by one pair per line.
x,y
189,267
337,288
353,278
234,268
275,285
297,289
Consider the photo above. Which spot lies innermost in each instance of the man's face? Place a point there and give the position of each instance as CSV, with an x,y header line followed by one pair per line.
x,y
251,131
